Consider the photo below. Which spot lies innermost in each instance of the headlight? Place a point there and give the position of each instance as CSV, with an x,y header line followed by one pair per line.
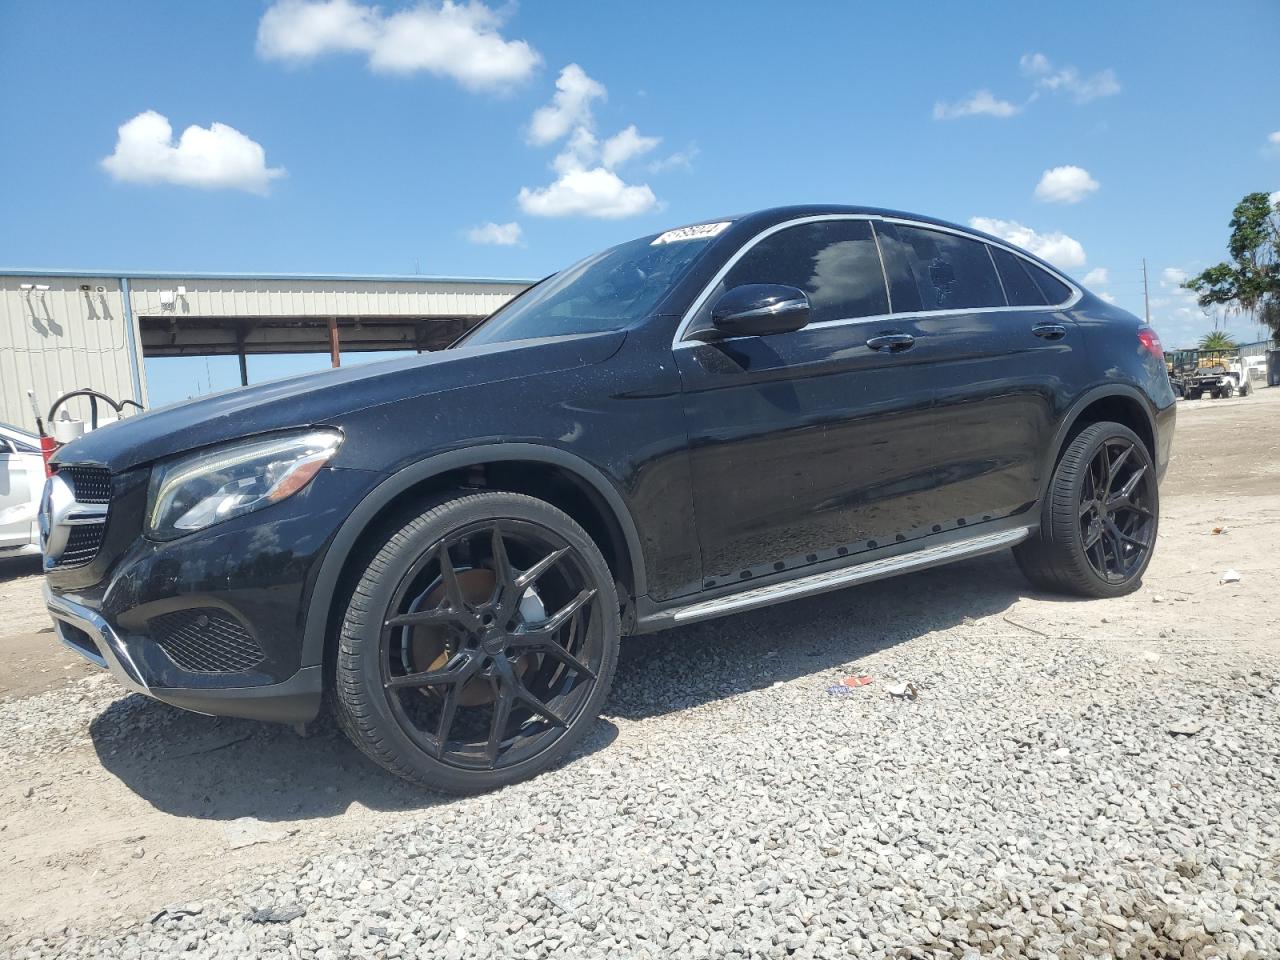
x,y
196,491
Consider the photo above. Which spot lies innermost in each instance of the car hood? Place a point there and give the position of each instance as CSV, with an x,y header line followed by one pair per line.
x,y
317,398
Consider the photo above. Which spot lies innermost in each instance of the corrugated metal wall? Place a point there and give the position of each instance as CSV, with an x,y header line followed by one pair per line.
x,y
60,339
318,298
74,333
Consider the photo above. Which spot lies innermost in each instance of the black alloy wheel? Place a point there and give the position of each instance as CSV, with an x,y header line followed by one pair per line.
x,y
1099,516
492,647
1116,522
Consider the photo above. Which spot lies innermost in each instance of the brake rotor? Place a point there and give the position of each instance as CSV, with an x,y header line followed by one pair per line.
x,y
427,646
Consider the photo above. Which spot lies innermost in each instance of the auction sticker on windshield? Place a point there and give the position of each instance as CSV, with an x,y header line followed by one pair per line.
x,y
700,231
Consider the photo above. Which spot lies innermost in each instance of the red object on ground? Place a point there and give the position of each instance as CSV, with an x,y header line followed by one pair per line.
x,y
861,681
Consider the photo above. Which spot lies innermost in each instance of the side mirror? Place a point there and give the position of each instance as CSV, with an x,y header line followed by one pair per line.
x,y
758,310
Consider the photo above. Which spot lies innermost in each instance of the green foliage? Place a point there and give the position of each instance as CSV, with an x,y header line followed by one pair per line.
x,y
1217,340
1250,283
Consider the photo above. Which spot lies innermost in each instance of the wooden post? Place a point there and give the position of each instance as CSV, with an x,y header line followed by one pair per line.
x,y
335,348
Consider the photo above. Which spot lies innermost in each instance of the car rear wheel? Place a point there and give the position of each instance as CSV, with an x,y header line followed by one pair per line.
x,y
1099,518
479,644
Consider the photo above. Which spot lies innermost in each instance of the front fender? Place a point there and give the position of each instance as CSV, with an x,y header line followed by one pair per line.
x,y
319,608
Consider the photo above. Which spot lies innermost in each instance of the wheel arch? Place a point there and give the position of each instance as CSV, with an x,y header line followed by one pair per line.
x,y
562,479
1116,402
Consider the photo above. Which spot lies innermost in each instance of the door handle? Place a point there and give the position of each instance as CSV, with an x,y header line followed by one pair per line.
x,y
894,342
1049,331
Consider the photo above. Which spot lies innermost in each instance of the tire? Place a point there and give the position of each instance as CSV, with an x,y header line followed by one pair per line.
x,y
387,683
1063,555
1227,392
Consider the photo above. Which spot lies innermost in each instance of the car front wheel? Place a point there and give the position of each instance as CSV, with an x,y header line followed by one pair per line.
x,y
1099,518
479,643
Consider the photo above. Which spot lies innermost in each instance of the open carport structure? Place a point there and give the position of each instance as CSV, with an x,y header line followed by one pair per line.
x,y
61,330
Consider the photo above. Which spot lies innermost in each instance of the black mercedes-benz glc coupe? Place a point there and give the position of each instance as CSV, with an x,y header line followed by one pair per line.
x,y
719,417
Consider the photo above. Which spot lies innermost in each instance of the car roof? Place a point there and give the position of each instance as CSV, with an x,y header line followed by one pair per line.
x,y
753,222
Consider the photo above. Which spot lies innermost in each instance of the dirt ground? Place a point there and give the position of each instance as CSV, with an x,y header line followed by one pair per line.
x,y
107,801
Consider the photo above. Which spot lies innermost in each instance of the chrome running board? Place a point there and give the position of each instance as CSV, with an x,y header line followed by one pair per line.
x,y
847,576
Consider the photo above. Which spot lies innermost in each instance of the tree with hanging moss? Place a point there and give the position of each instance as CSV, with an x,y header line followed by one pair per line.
x,y
1250,282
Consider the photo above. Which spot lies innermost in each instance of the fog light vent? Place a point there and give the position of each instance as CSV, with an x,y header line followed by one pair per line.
x,y
206,640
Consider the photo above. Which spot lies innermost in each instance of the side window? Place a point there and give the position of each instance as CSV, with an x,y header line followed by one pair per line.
x,y
835,262
1054,290
952,272
904,290
1019,288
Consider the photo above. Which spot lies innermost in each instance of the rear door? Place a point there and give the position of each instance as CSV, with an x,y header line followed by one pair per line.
x,y
1006,361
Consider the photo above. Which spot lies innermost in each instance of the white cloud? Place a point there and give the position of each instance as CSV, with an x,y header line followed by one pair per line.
x,y
1274,138
1067,184
216,157
569,108
1058,248
1173,276
680,160
596,192
457,40
624,145
1108,297
587,184
1274,198
982,103
495,234
1068,79
1096,277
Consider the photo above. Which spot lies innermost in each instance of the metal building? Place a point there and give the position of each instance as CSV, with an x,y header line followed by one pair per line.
x,y
62,330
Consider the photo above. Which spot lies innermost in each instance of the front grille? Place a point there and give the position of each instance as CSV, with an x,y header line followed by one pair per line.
x,y
91,484
82,544
206,640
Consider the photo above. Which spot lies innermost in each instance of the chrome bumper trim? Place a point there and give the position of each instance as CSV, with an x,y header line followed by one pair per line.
x,y
110,650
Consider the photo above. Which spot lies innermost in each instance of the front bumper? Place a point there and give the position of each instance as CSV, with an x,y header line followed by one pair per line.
x,y
214,621
82,629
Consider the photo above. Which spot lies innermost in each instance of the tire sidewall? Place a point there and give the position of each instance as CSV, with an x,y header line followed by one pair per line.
x,y
361,636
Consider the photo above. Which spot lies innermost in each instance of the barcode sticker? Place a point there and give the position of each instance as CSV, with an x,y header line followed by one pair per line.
x,y
699,231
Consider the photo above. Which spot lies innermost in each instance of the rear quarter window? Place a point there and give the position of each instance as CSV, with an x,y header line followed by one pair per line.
x,y
1054,290
1019,289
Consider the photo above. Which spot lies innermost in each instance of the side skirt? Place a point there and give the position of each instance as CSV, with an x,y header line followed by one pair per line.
x,y
844,576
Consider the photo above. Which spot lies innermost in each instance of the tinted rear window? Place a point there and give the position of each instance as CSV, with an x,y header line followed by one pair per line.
x,y
952,272
1019,288
1054,290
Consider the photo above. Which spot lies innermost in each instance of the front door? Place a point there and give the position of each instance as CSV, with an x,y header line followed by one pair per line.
x,y
811,445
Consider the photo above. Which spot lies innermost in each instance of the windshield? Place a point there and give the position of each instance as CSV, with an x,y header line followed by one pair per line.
x,y
606,291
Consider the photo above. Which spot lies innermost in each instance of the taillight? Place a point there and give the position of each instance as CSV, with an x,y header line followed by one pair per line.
x,y
1150,340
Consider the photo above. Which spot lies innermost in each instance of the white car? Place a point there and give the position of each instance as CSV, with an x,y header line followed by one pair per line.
x,y
21,485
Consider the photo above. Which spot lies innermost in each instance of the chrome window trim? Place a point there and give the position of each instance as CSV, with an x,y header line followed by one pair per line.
x,y
678,341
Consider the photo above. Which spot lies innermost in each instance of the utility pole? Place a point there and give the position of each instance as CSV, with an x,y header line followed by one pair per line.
x,y
1146,295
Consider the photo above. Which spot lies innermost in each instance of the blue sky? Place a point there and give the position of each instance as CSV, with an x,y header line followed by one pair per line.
x,y
390,140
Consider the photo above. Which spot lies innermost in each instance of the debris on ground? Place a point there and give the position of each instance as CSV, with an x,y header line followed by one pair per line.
x,y
846,686
1219,530
1188,727
1231,576
903,691
276,914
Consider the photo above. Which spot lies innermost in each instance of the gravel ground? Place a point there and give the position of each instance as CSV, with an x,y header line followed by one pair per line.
x,y
1073,780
